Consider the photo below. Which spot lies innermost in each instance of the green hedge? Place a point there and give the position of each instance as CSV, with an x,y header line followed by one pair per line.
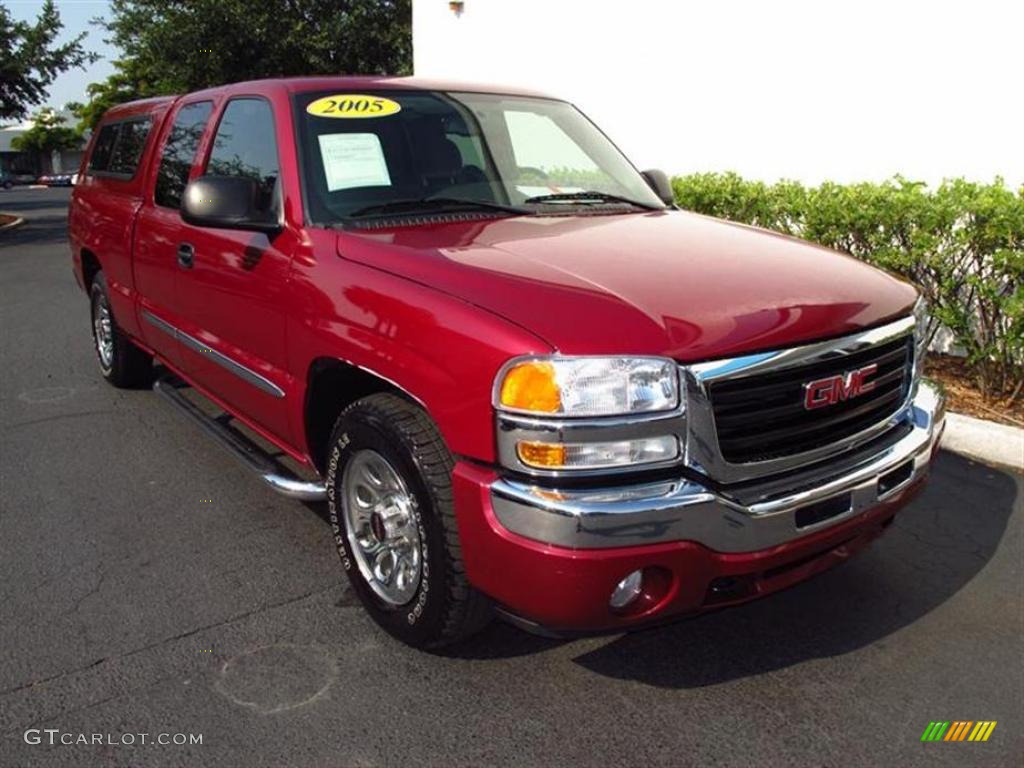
x,y
962,244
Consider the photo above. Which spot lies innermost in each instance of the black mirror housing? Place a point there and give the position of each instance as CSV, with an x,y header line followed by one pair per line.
x,y
659,182
228,202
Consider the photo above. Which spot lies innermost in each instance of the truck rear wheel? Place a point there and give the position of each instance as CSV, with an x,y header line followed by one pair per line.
x,y
390,498
121,362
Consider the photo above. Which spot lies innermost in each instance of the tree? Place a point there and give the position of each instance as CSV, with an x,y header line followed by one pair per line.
x,y
176,46
48,133
126,84
30,59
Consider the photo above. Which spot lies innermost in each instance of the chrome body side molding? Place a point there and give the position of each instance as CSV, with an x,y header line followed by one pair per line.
x,y
246,374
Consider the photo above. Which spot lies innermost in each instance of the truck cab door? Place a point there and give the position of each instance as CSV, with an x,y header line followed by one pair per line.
x,y
232,296
159,260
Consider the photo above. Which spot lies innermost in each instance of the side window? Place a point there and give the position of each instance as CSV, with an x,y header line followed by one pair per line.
x,y
128,150
99,160
246,146
179,153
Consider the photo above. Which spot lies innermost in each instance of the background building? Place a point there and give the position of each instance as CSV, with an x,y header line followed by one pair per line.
x,y
33,163
789,89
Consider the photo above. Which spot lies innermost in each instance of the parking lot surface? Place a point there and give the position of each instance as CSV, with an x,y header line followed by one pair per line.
x,y
150,585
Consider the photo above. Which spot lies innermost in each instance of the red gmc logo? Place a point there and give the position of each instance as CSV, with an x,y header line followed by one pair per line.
x,y
835,389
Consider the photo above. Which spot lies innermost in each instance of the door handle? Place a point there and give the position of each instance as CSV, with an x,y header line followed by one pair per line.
x,y
186,255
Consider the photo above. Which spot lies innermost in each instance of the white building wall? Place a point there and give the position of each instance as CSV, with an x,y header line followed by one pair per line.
x,y
802,89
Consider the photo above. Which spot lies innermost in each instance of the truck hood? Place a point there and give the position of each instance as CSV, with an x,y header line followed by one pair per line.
x,y
662,283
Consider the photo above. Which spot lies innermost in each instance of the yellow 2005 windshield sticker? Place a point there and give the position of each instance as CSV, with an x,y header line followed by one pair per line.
x,y
353,105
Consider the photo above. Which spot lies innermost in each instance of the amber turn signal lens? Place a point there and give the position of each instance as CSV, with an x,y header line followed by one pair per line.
x,y
531,386
541,454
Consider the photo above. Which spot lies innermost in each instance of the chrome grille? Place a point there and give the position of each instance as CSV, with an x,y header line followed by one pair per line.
x,y
762,416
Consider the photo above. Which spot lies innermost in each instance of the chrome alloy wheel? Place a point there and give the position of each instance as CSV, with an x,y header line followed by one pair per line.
x,y
103,331
381,527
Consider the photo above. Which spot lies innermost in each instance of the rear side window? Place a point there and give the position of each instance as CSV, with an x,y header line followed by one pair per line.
x,y
119,146
131,140
104,147
245,145
179,153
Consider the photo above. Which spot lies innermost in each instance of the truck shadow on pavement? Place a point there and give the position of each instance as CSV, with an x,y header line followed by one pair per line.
x,y
936,546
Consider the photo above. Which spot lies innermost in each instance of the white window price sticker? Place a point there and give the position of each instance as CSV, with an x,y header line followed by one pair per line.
x,y
353,160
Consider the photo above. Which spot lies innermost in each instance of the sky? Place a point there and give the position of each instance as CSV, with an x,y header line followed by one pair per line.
x,y
800,89
75,14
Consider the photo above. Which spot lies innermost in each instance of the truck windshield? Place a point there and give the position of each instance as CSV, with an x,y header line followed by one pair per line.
x,y
404,152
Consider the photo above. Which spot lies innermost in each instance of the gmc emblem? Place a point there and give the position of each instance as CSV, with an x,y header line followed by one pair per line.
x,y
835,389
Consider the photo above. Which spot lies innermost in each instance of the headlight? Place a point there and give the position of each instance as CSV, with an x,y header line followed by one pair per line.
x,y
587,386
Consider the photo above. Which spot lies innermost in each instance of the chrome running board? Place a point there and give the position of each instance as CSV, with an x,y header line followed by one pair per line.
x,y
242,448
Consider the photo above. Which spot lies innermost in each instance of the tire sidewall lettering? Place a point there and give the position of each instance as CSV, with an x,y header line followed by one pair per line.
x,y
332,501
414,612
421,595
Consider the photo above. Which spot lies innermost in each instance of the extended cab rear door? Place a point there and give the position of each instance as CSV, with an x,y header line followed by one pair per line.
x,y
106,201
159,260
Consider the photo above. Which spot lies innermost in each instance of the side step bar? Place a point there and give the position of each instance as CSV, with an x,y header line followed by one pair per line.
x,y
244,449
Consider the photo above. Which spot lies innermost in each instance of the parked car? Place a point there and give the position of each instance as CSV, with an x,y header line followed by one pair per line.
x,y
524,382
56,180
6,180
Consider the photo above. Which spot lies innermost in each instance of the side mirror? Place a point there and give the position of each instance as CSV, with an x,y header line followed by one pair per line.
x,y
658,181
229,202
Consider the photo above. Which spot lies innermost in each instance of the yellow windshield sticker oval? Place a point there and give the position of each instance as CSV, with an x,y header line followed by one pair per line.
x,y
353,105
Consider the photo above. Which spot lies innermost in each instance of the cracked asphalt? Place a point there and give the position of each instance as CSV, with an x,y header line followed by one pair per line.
x,y
129,606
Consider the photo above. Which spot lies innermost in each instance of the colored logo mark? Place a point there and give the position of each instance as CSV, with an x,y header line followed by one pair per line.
x,y
959,730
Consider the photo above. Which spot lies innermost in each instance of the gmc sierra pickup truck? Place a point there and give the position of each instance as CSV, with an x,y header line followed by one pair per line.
x,y
524,382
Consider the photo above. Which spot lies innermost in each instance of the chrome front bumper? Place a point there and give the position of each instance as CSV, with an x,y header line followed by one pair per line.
x,y
744,518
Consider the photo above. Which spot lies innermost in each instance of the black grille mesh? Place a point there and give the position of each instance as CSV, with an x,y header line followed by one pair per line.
x,y
763,417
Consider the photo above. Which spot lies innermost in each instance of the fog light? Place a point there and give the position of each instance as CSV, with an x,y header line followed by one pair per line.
x,y
627,590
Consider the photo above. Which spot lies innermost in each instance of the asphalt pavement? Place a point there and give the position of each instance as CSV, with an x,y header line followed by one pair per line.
x,y
150,585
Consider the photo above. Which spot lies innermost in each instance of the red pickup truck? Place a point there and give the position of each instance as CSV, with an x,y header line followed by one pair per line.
x,y
525,383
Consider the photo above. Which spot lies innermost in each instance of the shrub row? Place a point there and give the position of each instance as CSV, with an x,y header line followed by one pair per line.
x,y
962,244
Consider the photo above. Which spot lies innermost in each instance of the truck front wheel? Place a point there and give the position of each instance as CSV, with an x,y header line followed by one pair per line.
x,y
390,498
121,362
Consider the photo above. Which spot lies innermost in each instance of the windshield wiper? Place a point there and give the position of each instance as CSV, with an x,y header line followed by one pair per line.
x,y
433,205
589,198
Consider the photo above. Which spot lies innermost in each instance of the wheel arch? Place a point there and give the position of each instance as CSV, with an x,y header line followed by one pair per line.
x,y
332,384
90,267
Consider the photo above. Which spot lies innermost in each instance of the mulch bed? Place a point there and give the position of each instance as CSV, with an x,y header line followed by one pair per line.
x,y
6,219
964,396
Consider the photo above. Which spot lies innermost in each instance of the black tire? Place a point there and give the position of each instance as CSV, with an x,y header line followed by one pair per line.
x,y
128,367
444,608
